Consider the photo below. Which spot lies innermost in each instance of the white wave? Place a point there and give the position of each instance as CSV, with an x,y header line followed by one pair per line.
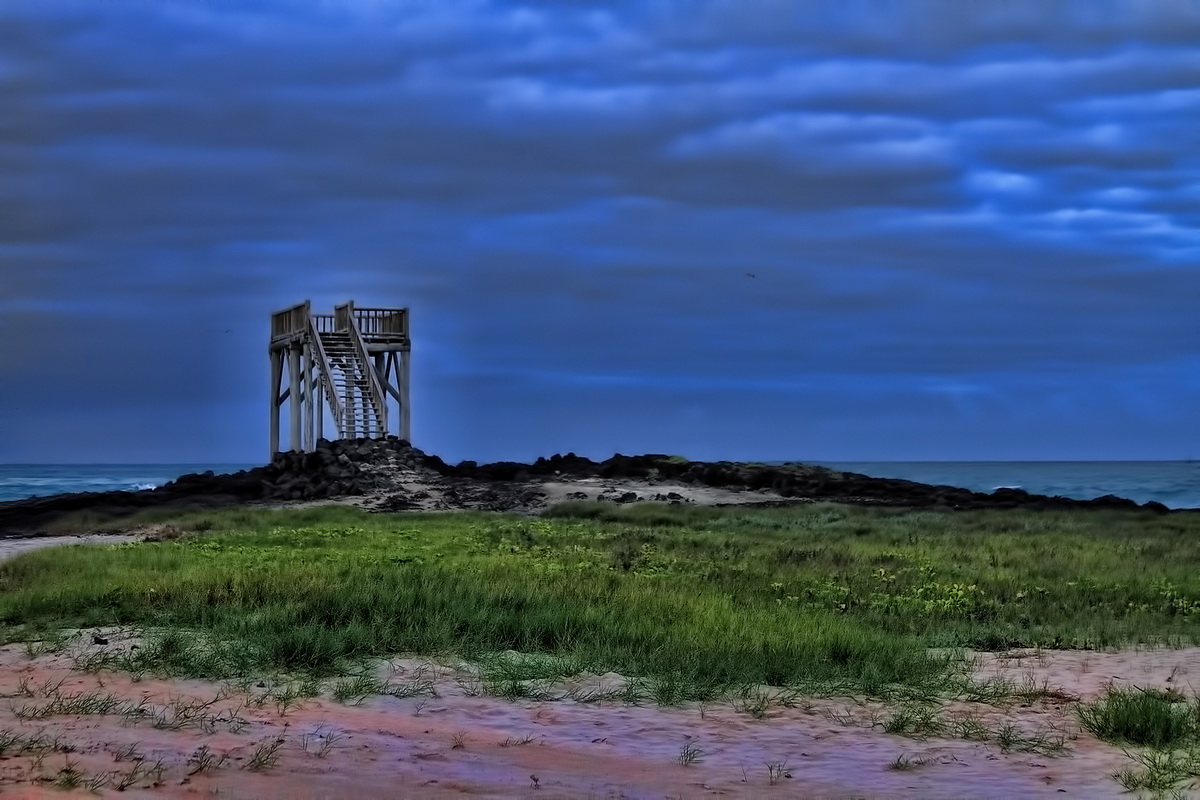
x,y
1013,486
141,487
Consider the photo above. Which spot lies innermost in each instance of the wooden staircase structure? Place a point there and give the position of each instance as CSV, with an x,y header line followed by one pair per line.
x,y
342,364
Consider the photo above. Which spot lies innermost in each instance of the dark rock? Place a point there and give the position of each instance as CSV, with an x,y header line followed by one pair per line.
x,y
396,502
1112,501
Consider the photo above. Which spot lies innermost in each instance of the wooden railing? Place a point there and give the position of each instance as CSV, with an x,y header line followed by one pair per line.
x,y
291,321
335,402
389,323
382,322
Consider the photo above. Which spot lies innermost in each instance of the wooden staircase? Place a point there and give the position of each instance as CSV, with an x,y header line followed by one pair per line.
x,y
350,374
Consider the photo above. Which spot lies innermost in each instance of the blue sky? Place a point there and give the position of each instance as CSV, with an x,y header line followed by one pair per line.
x,y
754,229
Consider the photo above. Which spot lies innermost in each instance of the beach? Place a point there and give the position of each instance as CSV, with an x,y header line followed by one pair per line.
x,y
447,741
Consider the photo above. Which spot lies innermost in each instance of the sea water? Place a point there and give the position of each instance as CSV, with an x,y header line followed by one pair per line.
x,y
18,481
1175,484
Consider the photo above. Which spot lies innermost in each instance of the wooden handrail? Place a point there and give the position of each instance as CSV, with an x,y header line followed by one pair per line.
x,y
335,403
360,348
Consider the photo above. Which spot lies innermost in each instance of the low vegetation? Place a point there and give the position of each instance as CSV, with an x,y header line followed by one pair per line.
x,y
690,603
699,600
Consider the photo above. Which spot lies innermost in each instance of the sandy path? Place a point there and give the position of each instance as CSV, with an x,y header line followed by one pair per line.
x,y
457,744
12,547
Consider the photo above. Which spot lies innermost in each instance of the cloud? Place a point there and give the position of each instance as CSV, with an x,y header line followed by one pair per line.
x,y
818,142
949,203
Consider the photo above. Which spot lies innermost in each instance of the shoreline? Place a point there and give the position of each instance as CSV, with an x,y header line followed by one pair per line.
x,y
390,475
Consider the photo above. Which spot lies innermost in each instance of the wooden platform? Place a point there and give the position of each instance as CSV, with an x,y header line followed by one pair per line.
x,y
349,364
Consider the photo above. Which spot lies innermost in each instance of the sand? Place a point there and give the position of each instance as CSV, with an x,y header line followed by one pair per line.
x,y
12,547
460,743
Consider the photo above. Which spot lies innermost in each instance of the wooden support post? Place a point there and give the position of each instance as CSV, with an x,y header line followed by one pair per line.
x,y
319,409
381,373
388,369
307,370
349,429
294,383
273,400
405,422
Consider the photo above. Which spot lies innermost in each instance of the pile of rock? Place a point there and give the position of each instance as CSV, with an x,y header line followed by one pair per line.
x,y
335,469
342,468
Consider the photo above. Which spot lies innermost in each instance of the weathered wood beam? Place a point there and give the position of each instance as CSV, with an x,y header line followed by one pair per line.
x,y
308,397
383,408
320,411
387,383
294,390
405,405
273,400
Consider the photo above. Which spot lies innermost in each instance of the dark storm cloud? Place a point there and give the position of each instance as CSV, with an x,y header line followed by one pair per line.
x,y
681,220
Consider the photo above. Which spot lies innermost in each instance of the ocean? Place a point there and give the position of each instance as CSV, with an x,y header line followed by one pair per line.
x,y
1175,484
18,481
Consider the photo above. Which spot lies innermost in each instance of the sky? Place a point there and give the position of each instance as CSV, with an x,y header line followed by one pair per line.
x,y
742,229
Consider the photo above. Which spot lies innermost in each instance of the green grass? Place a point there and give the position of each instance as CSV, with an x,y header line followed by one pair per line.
x,y
696,601
1159,771
1137,716
987,580
1162,727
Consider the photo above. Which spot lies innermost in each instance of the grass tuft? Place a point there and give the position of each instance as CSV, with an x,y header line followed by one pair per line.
x,y
905,763
690,754
1159,771
1142,716
915,721
265,755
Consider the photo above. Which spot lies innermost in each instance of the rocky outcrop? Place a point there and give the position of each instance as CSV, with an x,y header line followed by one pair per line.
x,y
334,469
789,480
391,468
